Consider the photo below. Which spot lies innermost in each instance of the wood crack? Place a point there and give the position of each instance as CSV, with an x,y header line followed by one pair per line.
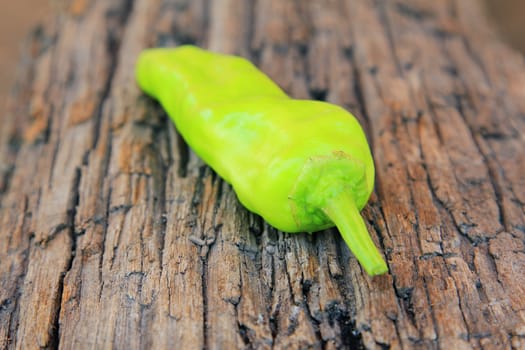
x,y
360,97
491,173
383,18
54,339
305,289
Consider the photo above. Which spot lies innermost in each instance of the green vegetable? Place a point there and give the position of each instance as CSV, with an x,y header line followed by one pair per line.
x,y
301,165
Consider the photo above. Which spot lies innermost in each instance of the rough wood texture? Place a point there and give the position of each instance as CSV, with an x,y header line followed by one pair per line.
x,y
114,234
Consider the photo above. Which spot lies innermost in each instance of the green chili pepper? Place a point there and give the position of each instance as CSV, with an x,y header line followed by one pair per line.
x,y
302,165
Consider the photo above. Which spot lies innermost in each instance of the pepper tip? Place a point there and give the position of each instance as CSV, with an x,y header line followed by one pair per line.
x,y
342,211
379,268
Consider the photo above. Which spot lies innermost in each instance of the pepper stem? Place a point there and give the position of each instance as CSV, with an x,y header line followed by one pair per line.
x,y
343,212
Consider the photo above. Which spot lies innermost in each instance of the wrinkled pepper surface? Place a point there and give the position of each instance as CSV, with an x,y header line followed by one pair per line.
x,y
302,165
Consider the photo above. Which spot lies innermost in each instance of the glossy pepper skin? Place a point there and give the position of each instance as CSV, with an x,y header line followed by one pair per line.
x,y
302,165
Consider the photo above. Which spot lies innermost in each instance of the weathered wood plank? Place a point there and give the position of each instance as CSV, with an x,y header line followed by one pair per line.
x,y
114,234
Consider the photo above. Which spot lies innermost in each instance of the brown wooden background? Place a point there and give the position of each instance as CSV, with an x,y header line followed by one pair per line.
x,y
114,234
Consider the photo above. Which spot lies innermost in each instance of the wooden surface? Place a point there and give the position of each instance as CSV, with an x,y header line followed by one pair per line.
x,y
114,234
15,24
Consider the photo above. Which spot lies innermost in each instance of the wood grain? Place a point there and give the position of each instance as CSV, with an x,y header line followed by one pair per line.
x,y
113,234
